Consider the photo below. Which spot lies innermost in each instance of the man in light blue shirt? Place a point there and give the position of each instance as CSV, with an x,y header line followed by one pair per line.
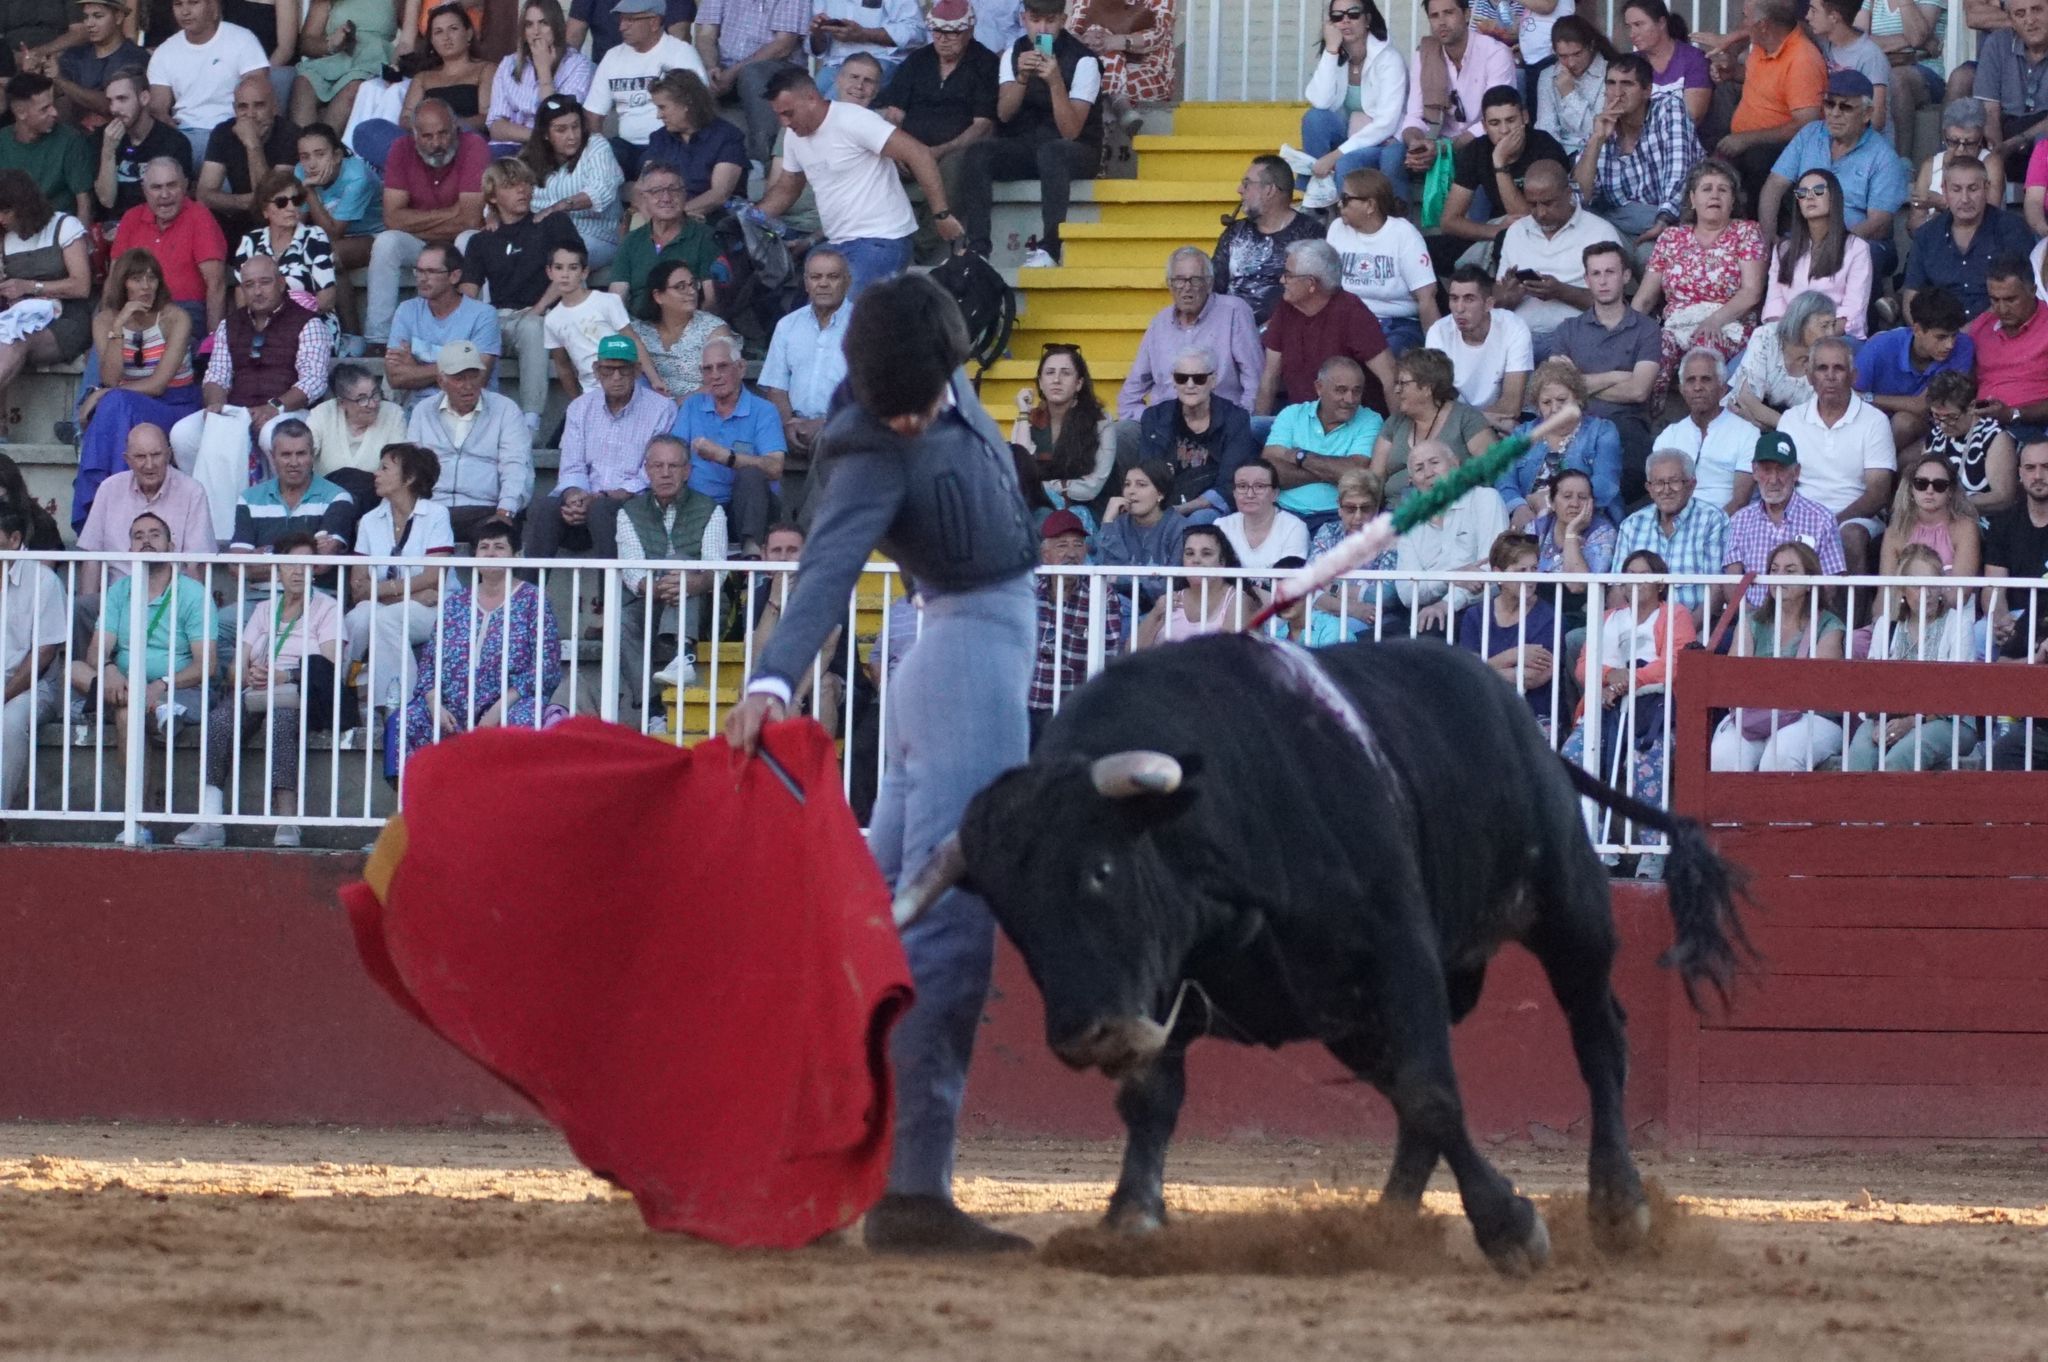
x,y
807,362
440,313
1311,443
735,443
1873,178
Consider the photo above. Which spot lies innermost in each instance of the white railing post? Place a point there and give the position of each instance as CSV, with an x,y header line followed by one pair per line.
x,y
1596,609
135,749
608,648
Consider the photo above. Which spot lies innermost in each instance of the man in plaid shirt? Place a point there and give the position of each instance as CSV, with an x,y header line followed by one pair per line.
x,y
1690,535
743,43
1643,146
1063,619
1780,515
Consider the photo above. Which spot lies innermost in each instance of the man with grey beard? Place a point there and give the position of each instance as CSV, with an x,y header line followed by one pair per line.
x,y
433,192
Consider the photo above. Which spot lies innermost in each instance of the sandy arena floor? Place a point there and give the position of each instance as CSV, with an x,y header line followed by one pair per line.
x,y
127,1242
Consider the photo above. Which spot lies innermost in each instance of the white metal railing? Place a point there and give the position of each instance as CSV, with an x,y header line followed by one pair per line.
x,y
84,759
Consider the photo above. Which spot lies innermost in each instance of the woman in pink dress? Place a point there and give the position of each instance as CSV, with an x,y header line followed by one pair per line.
x,y
1708,271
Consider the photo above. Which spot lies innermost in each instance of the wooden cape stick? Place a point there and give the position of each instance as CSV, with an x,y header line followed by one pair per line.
x,y
1379,534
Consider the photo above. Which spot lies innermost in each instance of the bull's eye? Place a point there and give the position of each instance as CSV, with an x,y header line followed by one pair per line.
x,y
1099,875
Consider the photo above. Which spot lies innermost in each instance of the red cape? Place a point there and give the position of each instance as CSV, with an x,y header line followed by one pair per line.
x,y
686,970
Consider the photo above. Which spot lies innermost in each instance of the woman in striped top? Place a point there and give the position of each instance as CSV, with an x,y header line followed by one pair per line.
x,y
577,174
543,67
143,345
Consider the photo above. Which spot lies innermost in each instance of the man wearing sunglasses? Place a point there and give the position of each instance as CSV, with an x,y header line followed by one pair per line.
x,y
241,152
1873,178
1846,454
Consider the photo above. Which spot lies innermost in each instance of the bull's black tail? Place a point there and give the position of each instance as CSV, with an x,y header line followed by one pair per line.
x,y
1700,884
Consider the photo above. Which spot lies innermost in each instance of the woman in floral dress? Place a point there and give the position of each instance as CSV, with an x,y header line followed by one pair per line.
x,y
1708,271
466,677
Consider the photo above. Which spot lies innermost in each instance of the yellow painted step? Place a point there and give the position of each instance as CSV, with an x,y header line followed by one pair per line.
x,y
1093,245
1005,376
1120,345
1280,122
1221,160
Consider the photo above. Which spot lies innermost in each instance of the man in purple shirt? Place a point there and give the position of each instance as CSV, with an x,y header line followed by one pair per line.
x,y
604,455
1780,515
1199,319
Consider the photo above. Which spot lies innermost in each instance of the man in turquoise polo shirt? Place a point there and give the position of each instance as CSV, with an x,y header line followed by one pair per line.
x,y
735,443
177,650
1312,442
1873,178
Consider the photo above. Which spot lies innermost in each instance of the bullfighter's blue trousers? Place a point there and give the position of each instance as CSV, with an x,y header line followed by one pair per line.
x,y
956,720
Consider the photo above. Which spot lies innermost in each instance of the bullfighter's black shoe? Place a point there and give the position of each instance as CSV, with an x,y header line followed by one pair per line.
x,y
929,1224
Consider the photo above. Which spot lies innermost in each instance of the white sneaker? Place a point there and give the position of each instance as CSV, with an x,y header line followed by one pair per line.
x,y
657,727
681,673
143,838
203,835
287,835
1038,258
1300,162
1321,192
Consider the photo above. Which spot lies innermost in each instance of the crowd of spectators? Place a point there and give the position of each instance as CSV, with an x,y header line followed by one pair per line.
x,y
1786,341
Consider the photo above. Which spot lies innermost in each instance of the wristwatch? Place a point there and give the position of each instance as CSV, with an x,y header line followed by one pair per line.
x,y
1300,457
942,215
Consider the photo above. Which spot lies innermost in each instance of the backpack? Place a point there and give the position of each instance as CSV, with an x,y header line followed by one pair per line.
x,y
766,280
985,300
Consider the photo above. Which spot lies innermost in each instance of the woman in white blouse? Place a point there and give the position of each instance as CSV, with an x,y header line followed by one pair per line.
x,y
1571,91
1357,97
577,174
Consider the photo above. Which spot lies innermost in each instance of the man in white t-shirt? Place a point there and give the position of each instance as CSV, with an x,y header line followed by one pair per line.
x,y
1542,265
1386,261
1716,439
192,76
848,156
646,52
1491,353
1846,453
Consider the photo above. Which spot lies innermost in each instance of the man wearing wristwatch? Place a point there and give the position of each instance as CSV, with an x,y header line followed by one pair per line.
x,y
849,157
270,359
1312,443
736,445
1486,178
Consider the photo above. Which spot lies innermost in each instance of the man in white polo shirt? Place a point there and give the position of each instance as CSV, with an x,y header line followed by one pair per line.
x,y
1846,453
848,155
1542,256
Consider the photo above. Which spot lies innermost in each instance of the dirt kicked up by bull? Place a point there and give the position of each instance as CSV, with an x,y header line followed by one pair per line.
x,y
1235,838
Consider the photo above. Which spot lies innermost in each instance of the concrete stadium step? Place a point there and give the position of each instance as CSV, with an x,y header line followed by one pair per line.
x,y
1116,245
1073,296
1279,122
1180,205
1220,159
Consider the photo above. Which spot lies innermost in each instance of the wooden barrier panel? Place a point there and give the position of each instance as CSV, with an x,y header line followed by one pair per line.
x,y
1902,918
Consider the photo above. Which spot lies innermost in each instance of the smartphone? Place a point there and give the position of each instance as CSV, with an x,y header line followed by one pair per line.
x,y
1043,42
1528,276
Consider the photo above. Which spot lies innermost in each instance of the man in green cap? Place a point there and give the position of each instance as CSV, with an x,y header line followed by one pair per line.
x,y
1779,515
604,451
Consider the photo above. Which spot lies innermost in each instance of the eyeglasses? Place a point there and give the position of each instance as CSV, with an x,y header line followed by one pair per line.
x,y
368,397
1187,280
1191,380
1343,199
1811,191
1666,484
430,269
1963,143
1932,484
286,201
1338,16
1248,487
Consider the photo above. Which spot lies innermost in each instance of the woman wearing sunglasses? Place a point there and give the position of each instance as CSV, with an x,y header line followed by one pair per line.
x,y
1931,510
1818,252
1357,95
304,255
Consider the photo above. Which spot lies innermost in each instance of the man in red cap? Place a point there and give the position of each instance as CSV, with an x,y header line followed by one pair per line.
x,y
1063,608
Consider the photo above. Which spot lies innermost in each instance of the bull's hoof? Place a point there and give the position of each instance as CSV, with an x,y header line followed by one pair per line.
x,y
929,1224
1619,1230
1521,1258
1134,1219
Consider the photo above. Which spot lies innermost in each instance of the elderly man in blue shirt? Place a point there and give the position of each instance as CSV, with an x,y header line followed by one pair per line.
x,y
1874,179
806,364
735,443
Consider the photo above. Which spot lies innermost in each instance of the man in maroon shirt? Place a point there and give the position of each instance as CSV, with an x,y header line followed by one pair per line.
x,y
1317,320
433,192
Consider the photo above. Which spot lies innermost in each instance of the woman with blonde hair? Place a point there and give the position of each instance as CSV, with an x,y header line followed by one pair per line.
x,y
1930,511
1793,623
1920,620
1592,446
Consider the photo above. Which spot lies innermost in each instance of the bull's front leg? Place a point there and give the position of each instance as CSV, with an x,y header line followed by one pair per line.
x,y
1149,1101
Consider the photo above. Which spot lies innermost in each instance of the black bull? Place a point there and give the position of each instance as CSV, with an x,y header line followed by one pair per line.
x,y
1267,857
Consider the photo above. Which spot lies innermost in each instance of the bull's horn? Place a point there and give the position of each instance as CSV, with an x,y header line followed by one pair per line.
x,y
1123,774
946,868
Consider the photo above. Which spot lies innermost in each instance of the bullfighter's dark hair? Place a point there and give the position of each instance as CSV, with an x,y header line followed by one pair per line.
x,y
902,346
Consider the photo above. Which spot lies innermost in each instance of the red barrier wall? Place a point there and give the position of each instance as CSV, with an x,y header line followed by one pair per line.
x,y
223,986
